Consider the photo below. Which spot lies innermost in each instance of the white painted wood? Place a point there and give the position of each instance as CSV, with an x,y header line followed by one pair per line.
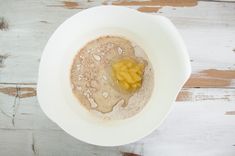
x,y
28,115
59,143
22,113
6,109
195,127
15,143
207,94
200,134
208,30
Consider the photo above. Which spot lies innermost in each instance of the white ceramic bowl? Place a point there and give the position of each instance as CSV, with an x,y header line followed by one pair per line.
x,y
155,34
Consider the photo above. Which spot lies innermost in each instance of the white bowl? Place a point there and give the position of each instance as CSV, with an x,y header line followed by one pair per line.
x,y
155,34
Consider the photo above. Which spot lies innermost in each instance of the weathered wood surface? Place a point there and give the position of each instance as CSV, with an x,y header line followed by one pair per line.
x,y
200,123
207,28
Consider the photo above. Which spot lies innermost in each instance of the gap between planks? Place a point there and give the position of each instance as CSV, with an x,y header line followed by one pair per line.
x,y
209,78
186,94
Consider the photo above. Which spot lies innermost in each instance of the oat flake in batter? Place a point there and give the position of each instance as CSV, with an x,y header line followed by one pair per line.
x,y
96,89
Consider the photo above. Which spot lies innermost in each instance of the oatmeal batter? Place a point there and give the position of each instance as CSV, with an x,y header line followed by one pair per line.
x,y
93,85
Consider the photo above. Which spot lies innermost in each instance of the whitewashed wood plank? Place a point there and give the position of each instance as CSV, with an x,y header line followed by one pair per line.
x,y
30,116
15,143
208,30
27,36
197,126
5,121
205,94
206,130
21,111
7,104
192,128
58,143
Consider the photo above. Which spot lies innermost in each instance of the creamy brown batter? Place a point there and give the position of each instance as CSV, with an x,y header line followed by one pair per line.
x,y
92,83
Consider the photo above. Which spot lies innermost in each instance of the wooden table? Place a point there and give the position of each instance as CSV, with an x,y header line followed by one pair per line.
x,y
202,121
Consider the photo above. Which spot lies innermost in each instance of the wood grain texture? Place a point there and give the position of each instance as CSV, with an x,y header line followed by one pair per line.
x,y
201,121
2,60
207,117
197,131
66,4
29,35
149,9
71,5
206,94
230,113
19,92
186,94
15,143
212,78
3,24
156,2
18,108
197,126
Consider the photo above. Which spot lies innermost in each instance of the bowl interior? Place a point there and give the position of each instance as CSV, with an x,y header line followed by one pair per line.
x,y
155,34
